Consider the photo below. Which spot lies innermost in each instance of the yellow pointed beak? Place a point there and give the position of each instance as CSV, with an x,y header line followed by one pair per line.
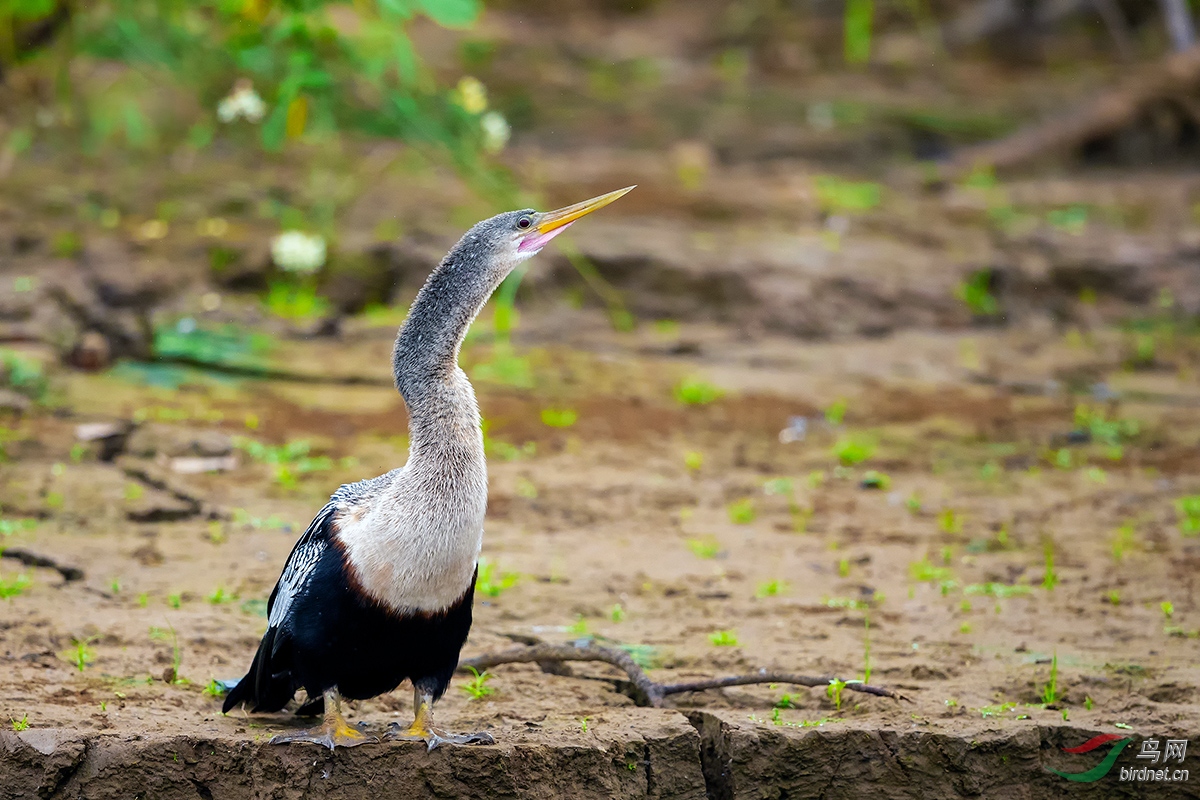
x,y
553,220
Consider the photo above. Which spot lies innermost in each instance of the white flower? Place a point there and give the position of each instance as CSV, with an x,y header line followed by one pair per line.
x,y
295,251
243,101
495,131
472,95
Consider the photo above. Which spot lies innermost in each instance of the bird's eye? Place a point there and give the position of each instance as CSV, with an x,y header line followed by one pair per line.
x,y
524,222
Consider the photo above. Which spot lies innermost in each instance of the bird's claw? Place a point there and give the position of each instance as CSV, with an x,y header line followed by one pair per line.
x,y
434,737
327,736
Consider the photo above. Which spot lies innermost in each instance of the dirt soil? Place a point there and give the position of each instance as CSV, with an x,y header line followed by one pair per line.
x,y
945,437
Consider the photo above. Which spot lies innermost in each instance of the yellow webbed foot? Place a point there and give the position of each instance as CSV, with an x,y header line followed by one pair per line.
x,y
333,732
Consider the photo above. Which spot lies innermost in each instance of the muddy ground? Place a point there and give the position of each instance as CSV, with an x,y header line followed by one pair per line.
x,y
946,436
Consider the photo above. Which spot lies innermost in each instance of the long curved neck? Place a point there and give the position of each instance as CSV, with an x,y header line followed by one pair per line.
x,y
441,403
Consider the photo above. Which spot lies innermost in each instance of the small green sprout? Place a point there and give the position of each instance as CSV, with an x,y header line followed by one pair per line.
x,y
1189,512
583,724
491,582
1065,712
477,687
834,691
843,568
742,512
1168,609
616,613
770,589
851,451
21,724
1050,694
1114,597
1124,541
82,654
873,479
175,600
693,460
836,412
213,688
723,638
143,599
1088,702
14,587
115,586
976,293
559,417
1050,578
786,701
913,503
579,627
704,548
950,521
219,596
695,392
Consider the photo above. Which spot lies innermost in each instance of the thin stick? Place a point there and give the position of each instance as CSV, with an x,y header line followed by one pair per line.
x,y
652,693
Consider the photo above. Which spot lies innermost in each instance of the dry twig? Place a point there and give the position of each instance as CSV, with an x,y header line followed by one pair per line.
x,y
650,693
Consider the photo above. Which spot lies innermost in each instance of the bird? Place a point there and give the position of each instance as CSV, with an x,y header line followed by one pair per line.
x,y
379,587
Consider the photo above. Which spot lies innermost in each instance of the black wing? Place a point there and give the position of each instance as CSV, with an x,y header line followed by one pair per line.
x,y
269,684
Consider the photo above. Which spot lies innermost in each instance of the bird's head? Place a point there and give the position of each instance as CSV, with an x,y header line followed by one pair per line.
x,y
516,236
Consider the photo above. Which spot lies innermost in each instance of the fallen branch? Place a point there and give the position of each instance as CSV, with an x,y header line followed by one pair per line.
x,y
34,560
1175,75
651,693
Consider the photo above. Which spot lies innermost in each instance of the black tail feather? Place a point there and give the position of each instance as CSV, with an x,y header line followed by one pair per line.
x,y
268,684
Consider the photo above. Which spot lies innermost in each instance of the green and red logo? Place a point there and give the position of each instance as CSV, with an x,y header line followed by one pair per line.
x,y
1100,770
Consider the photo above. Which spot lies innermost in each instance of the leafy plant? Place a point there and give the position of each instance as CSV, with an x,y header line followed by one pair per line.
x,y
695,392
950,522
477,687
693,460
1189,512
213,688
616,613
82,654
836,413
723,638
834,691
1050,694
220,595
704,548
11,588
742,512
491,582
976,293
1050,576
838,196
559,417
853,450
770,589
21,724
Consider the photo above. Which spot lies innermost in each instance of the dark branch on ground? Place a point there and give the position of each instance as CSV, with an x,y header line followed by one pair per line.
x,y
648,692
34,560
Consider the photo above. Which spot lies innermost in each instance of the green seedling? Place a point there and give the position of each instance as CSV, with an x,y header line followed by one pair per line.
x,y
579,627
213,688
1189,515
158,634
1050,694
1065,712
836,413
741,512
616,613
770,589
11,588
779,486
693,460
851,451
995,710
526,488
723,638
1050,577
950,522
976,293
1124,541
843,568
1168,609
786,701
925,571
175,600
21,724
220,595
913,504
816,479
491,582
866,650
695,392
1114,597
82,654
115,586
965,628
1088,703
559,417
838,196
834,692
583,724
477,687
873,479
951,703
704,548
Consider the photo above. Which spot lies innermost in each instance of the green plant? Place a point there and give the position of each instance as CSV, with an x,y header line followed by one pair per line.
x,y
874,479
723,638
838,196
1050,576
693,460
175,600
742,512
834,691
1189,512
853,450
220,595
1168,609
158,634
843,567
11,588
616,613
704,548
477,687
976,293
785,701
559,418
866,650
1124,541
1088,703
950,522
289,460
770,589
913,503
82,654
1114,597
836,413
21,724
213,688
491,582
1050,694
695,392
857,30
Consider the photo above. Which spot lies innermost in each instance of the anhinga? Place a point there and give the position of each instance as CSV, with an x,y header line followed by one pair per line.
x,y
379,588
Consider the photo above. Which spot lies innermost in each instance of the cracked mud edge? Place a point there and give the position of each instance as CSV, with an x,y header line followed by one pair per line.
x,y
713,756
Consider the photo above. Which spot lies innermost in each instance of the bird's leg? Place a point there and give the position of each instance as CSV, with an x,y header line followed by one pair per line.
x,y
423,730
333,732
